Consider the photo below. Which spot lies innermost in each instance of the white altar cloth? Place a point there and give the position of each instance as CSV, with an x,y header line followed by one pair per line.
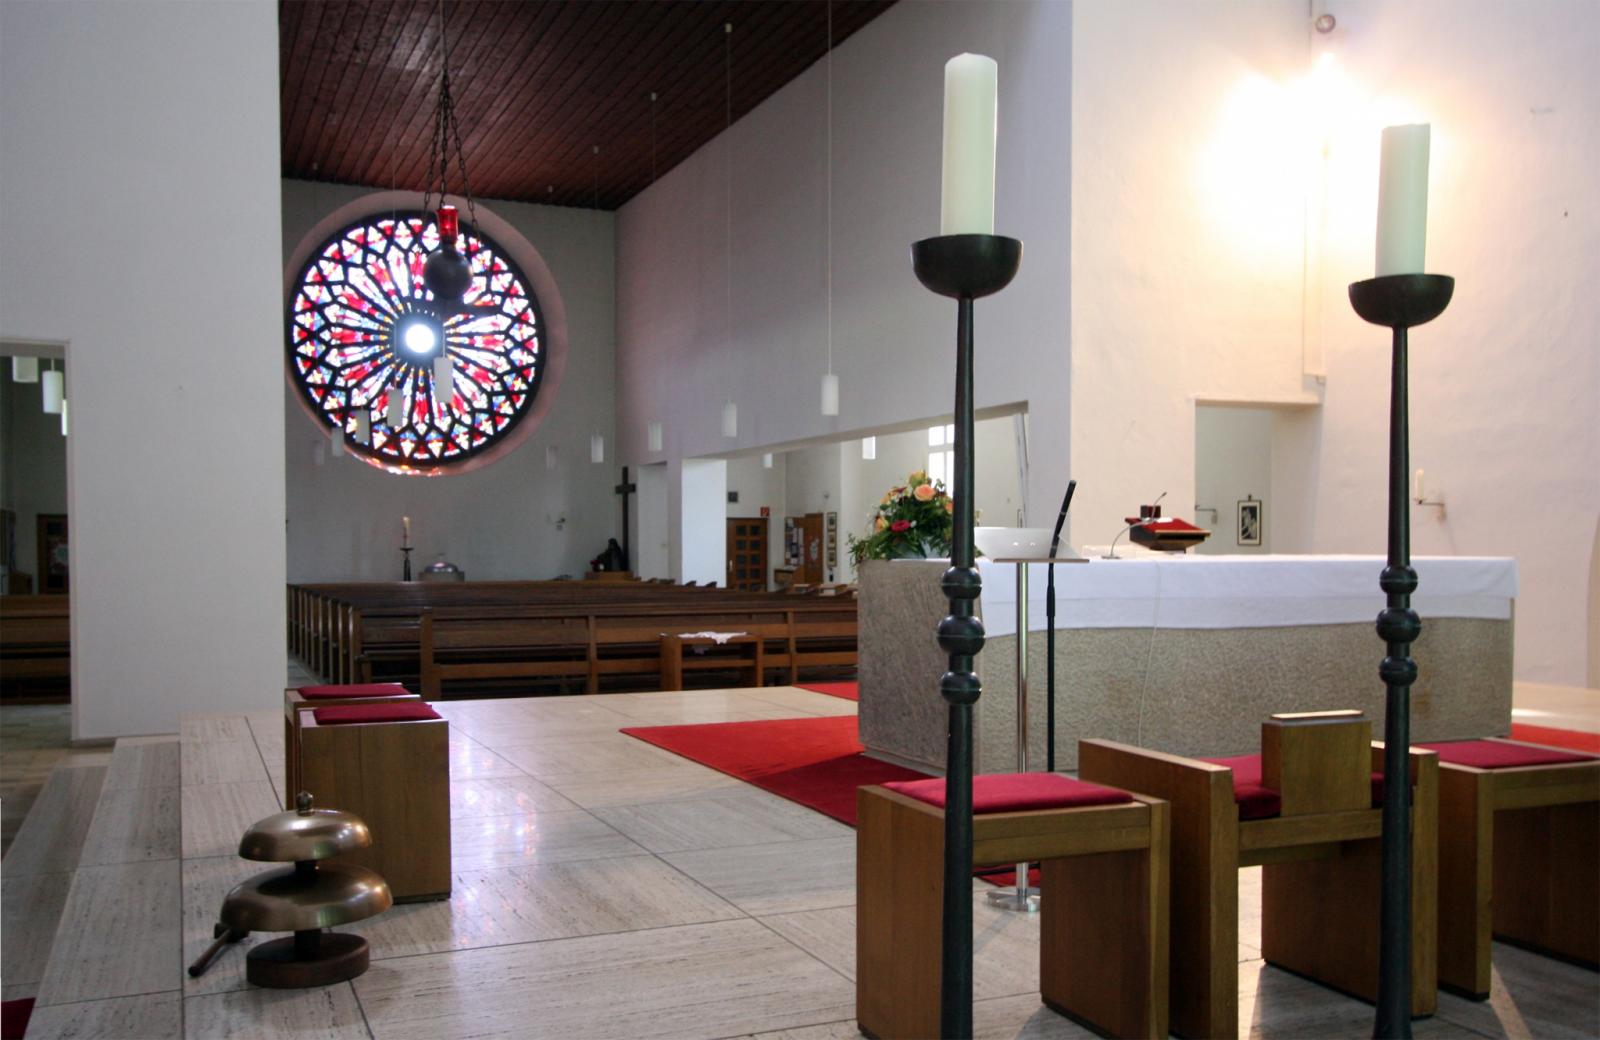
x,y
1191,591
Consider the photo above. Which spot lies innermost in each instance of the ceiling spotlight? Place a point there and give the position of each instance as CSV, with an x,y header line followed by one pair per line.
x,y
419,334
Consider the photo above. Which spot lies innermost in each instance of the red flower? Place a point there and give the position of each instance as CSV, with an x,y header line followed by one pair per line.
x,y
900,525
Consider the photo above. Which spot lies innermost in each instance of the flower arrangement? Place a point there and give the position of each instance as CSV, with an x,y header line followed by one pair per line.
x,y
912,521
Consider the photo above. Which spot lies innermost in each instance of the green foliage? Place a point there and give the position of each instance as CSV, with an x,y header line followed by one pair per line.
x,y
913,521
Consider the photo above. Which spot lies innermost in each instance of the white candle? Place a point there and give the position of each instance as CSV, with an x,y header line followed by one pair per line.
x,y
970,88
405,530
1403,199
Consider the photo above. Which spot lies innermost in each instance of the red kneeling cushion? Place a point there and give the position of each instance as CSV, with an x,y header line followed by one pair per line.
x,y
1016,792
395,711
1256,800
353,690
1499,754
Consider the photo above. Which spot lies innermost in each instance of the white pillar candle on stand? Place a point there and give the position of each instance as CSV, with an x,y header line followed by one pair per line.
x,y
1403,200
970,92
405,530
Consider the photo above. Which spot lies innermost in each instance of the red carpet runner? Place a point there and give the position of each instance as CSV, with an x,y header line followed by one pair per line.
x,y
1571,739
814,761
850,691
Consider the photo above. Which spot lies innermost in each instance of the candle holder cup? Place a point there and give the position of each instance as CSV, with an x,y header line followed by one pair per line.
x,y
1398,302
963,267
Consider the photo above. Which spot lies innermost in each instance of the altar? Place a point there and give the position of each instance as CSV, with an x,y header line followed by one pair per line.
x,y
1184,654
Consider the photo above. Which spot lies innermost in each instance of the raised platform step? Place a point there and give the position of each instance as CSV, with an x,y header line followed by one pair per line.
x,y
51,839
112,921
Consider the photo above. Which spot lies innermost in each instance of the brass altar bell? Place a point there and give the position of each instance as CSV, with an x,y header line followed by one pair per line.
x,y
304,899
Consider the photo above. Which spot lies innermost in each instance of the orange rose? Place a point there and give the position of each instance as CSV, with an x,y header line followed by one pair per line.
x,y
924,493
949,505
882,523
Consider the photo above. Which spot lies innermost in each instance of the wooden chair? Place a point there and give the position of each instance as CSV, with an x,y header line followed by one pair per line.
x,y
1519,856
1103,891
389,763
1305,811
321,697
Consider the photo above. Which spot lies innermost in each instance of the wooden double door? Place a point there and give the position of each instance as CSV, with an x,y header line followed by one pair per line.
x,y
747,553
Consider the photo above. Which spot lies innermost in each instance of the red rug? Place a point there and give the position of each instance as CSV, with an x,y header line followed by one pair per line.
x,y
14,1015
816,762
1571,739
850,691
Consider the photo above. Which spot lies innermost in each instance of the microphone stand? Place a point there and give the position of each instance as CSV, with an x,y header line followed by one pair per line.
x,y
1050,634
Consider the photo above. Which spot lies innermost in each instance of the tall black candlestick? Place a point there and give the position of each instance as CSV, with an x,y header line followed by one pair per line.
x,y
1399,302
964,267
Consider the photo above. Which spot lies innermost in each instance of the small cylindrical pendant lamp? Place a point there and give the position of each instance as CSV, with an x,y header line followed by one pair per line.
x,y
597,448
551,456
444,379
655,436
830,394
53,384
364,427
336,440
766,461
395,412
730,420
64,404
869,448
24,370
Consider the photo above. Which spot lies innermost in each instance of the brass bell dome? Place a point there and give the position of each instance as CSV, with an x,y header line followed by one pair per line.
x,y
296,899
304,834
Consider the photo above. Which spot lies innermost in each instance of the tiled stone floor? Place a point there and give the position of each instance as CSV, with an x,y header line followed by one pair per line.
x,y
34,740
606,889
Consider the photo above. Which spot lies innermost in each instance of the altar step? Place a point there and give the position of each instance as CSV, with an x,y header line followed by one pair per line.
x,y
102,937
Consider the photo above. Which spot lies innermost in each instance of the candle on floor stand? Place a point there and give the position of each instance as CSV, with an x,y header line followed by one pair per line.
x,y
970,91
1403,200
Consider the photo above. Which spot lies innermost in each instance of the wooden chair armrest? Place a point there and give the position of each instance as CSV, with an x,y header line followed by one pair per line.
x,y
1154,773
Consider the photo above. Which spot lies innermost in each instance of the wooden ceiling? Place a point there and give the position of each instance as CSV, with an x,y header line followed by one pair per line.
x,y
537,85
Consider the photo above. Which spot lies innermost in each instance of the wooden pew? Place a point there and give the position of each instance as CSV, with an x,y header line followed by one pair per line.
x,y
35,638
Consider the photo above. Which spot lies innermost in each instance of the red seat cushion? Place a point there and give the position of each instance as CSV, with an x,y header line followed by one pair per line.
x,y
394,711
1017,792
1501,754
1256,800
353,690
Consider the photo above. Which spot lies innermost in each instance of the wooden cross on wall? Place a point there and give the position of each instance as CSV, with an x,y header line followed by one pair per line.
x,y
625,489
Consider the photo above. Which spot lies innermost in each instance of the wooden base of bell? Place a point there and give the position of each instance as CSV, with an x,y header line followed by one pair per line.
x,y
279,964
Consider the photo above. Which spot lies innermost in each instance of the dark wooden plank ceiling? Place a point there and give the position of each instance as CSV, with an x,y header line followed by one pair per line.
x,y
537,86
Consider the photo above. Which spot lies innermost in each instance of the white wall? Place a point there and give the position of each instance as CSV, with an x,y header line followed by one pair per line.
x,y
1187,237
1233,459
652,541
513,517
33,464
139,224
893,340
703,522
1505,385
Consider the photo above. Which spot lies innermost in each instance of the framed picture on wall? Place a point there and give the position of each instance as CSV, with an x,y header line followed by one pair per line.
x,y
1250,520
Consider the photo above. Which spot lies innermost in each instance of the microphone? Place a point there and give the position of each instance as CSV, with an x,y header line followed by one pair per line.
x,y
1061,518
1143,521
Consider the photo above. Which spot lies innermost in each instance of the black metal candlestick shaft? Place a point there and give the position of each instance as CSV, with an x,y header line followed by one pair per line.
x,y
1399,302
405,570
964,267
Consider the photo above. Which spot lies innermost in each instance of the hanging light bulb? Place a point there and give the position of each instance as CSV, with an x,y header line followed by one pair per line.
x,y
730,420
766,461
395,413
597,448
655,436
63,417
363,427
830,394
24,370
869,448
54,387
